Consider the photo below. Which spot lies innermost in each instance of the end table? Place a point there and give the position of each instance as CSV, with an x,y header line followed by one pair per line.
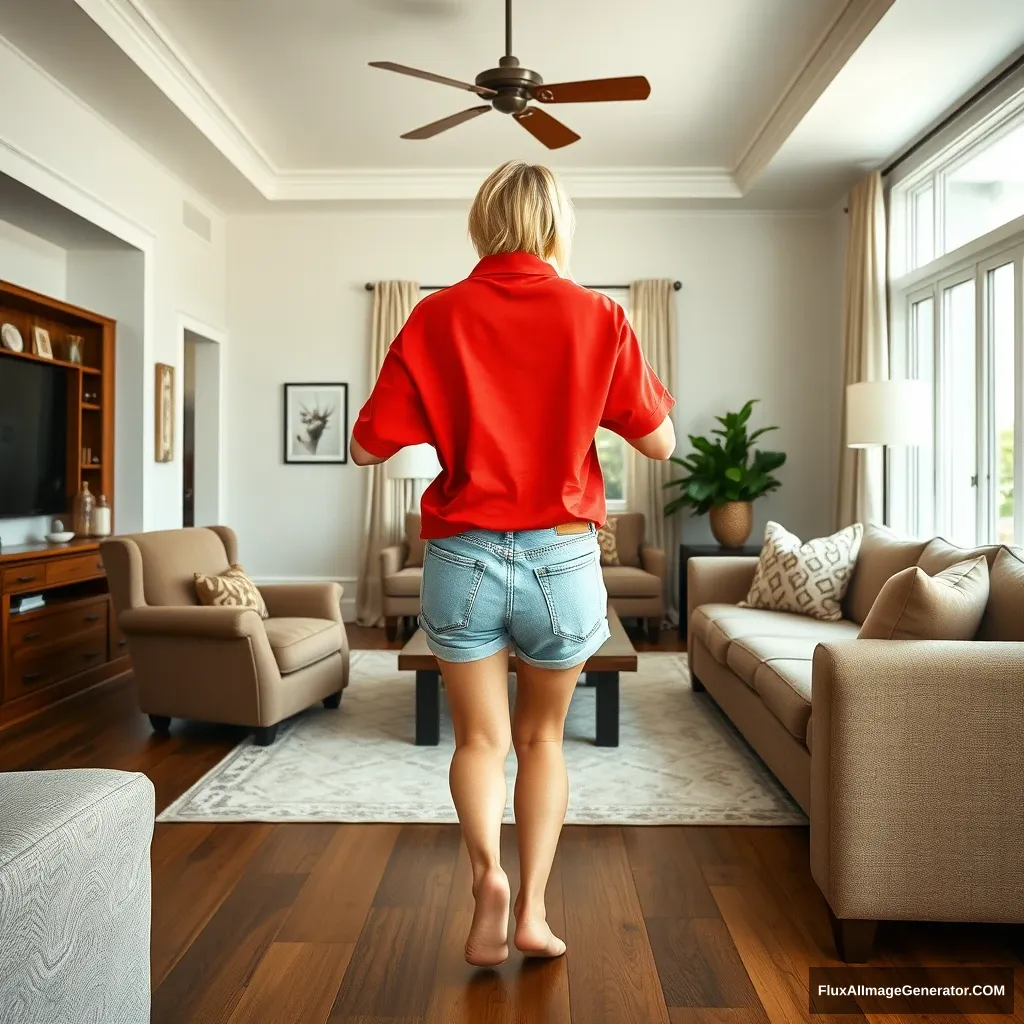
x,y
688,551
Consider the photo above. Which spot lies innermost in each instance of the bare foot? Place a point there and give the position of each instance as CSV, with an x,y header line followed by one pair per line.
x,y
534,937
487,945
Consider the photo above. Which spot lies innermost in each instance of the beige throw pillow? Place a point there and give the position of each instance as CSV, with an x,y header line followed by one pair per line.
x,y
608,541
231,589
809,579
1004,613
916,606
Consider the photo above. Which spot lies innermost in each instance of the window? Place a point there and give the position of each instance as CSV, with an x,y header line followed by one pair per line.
x,y
957,252
615,455
986,190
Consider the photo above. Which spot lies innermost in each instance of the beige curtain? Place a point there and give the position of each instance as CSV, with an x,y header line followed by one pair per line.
x,y
653,315
866,344
386,500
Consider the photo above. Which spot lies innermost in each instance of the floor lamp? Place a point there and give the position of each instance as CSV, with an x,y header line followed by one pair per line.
x,y
417,463
888,414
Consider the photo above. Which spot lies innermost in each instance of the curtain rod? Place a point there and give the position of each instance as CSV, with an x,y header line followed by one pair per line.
x,y
1013,67
676,285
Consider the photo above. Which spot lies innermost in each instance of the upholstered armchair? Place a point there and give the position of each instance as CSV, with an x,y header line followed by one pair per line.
x,y
637,584
222,664
635,587
401,573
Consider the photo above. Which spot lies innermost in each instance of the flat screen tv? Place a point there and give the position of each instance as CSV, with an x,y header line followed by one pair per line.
x,y
33,438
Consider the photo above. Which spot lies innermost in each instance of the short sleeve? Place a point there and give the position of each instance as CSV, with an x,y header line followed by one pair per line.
x,y
393,416
637,400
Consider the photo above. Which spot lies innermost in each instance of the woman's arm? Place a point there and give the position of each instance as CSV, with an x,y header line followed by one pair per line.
x,y
361,457
659,444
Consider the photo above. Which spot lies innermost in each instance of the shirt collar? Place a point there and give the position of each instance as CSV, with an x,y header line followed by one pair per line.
x,y
513,263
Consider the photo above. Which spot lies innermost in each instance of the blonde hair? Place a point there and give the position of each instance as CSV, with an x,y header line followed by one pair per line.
x,y
522,207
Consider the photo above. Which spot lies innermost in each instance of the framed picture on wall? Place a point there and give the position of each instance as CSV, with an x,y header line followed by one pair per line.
x,y
164,435
316,423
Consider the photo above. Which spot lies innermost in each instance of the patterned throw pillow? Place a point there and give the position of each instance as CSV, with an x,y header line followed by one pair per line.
x,y
608,540
231,589
809,579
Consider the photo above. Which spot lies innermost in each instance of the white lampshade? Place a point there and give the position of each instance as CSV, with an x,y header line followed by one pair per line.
x,y
893,413
417,462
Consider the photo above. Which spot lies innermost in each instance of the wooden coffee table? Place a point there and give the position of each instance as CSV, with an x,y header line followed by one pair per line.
x,y
602,669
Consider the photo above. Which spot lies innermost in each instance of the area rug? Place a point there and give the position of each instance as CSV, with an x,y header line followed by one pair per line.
x,y
679,761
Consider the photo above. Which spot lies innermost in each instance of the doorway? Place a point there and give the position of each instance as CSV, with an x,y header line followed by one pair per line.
x,y
201,433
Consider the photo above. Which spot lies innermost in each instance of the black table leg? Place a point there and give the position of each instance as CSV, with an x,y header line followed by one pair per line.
x,y
607,684
428,708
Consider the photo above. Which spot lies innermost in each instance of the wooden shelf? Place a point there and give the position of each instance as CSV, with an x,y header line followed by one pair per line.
x,y
91,465
92,408
43,359
85,369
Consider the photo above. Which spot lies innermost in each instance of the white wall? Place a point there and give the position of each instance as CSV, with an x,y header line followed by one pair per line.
x,y
757,319
32,262
54,144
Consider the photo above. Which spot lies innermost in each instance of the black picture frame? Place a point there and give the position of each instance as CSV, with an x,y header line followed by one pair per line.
x,y
315,399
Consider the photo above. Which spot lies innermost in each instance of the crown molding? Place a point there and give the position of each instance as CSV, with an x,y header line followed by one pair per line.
x,y
148,44
151,48
849,29
390,185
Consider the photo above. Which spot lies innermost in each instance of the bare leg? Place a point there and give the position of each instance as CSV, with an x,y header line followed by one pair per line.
x,y
542,793
478,697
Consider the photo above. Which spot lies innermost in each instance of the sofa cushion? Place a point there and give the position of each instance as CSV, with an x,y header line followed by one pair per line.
x,y
230,589
412,539
916,606
629,536
717,625
882,554
939,554
785,687
404,583
625,581
746,656
299,643
1004,616
608,542
808,578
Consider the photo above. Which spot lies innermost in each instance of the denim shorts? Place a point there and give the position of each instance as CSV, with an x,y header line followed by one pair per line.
x,y
539,593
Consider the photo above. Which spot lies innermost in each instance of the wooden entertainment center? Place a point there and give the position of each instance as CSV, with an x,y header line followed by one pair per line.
x,y
72,642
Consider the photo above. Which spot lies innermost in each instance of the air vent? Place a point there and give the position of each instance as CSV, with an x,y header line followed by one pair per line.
x,y
196,221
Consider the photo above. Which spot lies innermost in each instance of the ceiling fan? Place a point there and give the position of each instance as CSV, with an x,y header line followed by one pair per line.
x,y
509,89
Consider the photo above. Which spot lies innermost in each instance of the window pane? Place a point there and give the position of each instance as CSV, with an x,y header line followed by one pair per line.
x,y
986,191
958,445
924,226
921,461
1000,291
611,450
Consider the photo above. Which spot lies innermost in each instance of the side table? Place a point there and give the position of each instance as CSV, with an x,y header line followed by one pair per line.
x,y
688,551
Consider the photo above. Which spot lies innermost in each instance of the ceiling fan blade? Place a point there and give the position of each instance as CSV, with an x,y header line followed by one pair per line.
x,y
542,126
429,76
596,90
436,127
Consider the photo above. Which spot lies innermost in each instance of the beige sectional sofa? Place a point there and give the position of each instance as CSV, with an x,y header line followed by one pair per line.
x,y
635,588
908,756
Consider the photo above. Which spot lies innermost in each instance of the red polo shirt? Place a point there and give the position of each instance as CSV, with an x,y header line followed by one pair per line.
x,y
508,374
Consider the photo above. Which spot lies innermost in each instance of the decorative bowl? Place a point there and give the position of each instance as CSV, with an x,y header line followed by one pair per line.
x,y
60,538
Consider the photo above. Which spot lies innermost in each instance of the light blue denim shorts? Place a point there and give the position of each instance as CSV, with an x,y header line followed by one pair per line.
x,y
537,592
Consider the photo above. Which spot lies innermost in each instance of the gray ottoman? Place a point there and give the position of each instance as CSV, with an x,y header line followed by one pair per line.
x,y
75,897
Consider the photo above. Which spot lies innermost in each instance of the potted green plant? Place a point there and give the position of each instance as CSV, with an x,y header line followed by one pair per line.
x,y
724,478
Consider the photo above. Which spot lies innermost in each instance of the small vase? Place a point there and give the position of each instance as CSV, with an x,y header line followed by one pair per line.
x,y
100,525
732,522
82,512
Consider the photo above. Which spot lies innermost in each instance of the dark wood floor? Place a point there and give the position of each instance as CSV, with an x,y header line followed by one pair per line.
x,y
364,924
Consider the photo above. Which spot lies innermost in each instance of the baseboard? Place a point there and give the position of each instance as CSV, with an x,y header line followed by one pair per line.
x,y
348,600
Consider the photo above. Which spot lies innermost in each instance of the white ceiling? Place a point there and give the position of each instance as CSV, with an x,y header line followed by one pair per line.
x,y
296,76
754,103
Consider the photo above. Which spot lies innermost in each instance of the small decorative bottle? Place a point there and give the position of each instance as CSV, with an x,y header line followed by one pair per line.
x,y
100,526
82,512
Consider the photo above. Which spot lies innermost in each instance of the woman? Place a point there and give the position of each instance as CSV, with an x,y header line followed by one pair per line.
x,y
509,374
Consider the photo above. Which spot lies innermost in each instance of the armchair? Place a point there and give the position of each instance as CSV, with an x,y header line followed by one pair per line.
x,y
222,664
